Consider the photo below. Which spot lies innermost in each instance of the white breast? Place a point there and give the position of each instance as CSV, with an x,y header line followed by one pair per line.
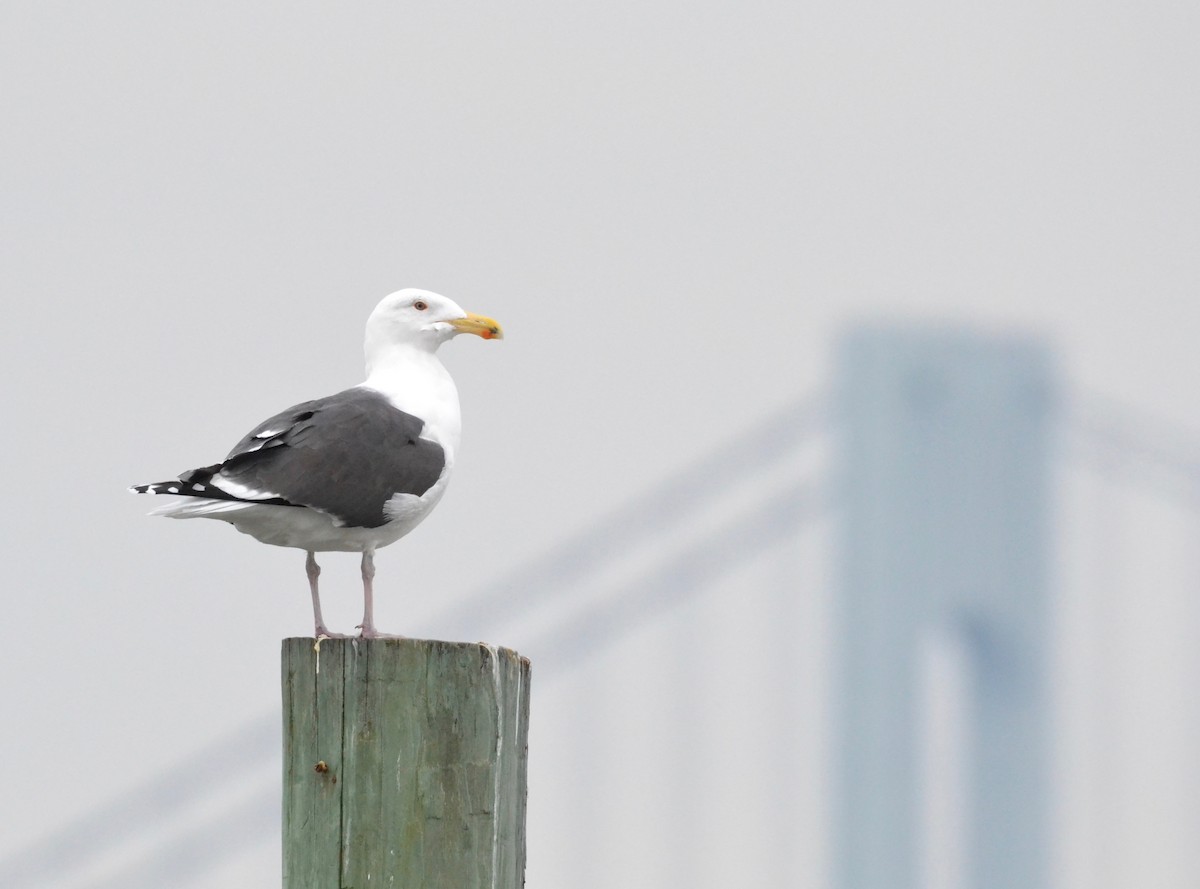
x,y
414,381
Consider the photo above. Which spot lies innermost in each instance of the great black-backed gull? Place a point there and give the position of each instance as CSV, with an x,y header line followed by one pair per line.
x,y
354,471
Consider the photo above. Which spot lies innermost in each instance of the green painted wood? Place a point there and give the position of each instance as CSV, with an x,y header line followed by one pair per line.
x,y
312,733
404,764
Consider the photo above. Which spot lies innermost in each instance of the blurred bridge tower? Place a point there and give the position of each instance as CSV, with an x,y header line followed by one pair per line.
x,y
945,483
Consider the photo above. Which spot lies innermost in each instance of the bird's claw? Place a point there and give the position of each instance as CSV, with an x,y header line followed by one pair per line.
x,y
322,634
372,633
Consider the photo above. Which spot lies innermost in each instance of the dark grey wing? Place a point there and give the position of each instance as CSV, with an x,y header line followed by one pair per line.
x,y
345,455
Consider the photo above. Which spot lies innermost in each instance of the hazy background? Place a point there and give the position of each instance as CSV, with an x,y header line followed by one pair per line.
x,y
671,207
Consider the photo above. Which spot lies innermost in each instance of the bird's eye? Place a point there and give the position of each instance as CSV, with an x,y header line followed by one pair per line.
x,y
420,305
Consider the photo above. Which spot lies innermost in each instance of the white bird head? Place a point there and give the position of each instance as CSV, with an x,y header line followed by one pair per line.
x,y
422,319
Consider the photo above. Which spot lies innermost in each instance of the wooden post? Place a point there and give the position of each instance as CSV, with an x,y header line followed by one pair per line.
x,y
404,764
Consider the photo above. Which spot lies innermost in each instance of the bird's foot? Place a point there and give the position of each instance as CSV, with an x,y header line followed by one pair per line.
x,y
320,634
372,633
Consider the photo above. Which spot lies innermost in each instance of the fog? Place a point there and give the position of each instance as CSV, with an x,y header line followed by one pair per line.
x,y
674,210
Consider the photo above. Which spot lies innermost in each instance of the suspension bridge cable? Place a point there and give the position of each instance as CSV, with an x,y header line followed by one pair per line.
x,y
1149,449
667,504
678,579
221,837
81,841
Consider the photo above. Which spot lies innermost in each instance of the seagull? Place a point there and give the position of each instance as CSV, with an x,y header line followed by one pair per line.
x,y
350,472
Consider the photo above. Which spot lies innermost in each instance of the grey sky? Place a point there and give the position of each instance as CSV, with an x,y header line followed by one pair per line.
x,y
671,208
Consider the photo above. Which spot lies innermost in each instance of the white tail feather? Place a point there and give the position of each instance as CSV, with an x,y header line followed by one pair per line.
x,y
198,507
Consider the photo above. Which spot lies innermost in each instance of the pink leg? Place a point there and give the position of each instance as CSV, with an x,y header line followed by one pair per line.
x,y
368,578
314,571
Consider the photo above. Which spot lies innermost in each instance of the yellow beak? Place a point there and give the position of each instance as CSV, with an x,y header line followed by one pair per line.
x,y
487,328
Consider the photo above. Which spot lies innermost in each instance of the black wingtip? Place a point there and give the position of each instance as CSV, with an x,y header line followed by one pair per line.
x,y
171,487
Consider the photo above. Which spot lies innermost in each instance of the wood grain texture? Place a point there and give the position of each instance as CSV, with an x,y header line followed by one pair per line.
x,y
404,764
